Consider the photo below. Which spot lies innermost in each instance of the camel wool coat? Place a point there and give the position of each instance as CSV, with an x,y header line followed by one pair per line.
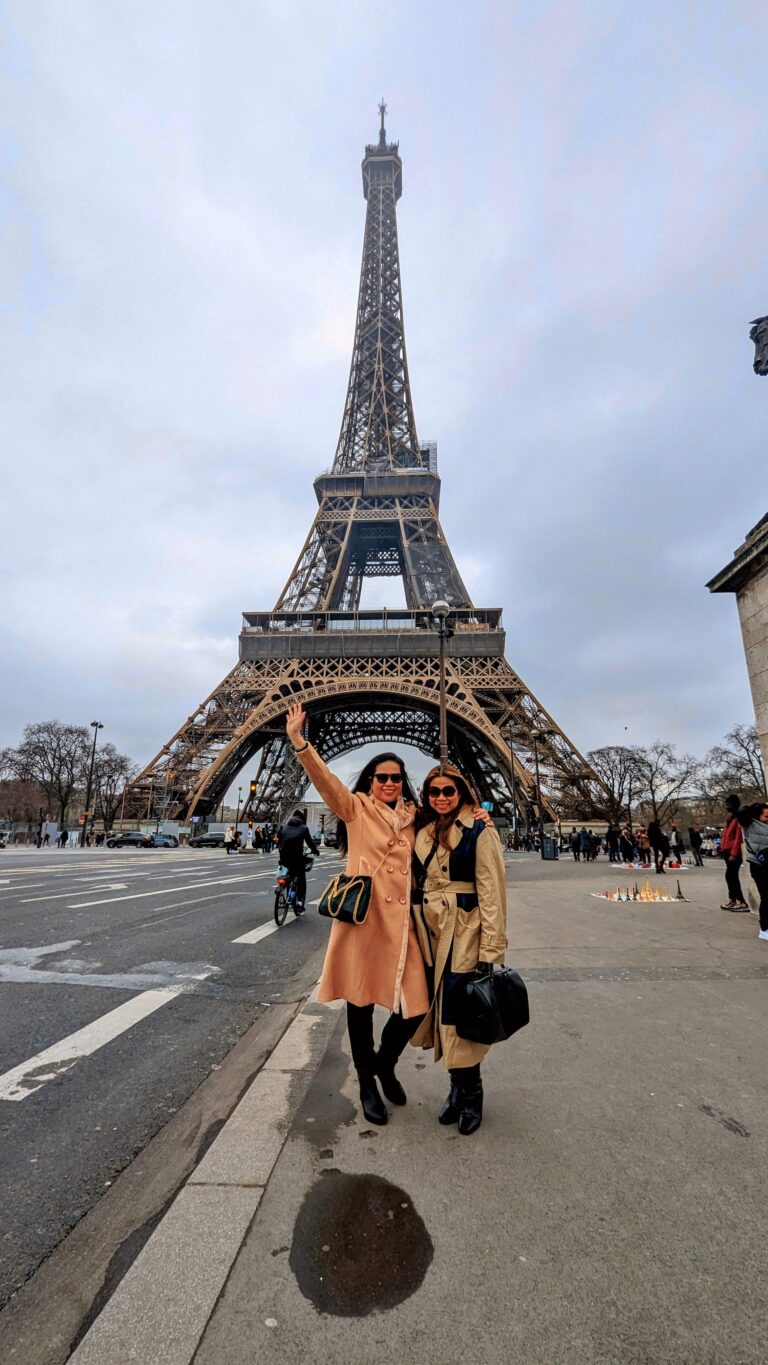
x,y
377,962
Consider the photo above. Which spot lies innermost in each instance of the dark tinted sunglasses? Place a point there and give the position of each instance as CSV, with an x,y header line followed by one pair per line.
x,y
387,777
442,791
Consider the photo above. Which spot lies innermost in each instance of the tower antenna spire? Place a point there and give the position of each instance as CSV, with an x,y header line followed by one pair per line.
x,y
382,131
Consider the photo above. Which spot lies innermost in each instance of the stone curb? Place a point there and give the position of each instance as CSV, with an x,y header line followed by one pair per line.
x,y
160,1309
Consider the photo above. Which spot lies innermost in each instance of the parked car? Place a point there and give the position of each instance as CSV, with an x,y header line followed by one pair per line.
x,y
165,841
132,839
207,841
331,840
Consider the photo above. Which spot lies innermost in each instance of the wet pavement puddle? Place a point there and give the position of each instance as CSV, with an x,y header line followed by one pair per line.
x,y
359,1246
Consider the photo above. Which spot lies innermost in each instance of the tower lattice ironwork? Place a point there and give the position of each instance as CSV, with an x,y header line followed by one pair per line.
x,y
370,675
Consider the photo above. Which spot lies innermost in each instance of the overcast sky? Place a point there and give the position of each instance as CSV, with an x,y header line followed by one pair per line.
x,y
582,238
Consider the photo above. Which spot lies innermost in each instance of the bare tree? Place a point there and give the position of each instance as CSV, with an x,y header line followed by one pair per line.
x,y
736,765
112,772
665,778
619,765
56,757
21,800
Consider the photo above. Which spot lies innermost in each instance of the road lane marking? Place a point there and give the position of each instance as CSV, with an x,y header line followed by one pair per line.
x,y
164,891
62,895
263,931
27,1078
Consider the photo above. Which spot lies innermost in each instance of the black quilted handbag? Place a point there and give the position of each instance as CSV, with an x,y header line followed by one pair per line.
x,y
491,1007
346,899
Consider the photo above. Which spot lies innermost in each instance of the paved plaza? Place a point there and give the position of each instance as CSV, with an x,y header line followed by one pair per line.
x,y
610,1209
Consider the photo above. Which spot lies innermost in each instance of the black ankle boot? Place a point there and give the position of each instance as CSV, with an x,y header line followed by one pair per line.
x,y
385,1070
373,1104
471,1101
451,1109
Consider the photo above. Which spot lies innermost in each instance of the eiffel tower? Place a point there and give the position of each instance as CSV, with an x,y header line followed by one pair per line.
x,y
371,675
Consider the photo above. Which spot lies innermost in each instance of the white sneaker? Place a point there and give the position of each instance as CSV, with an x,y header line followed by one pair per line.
x,y
762,933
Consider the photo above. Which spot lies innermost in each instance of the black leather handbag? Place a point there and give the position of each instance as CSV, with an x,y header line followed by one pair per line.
x,y
491,1006
348,899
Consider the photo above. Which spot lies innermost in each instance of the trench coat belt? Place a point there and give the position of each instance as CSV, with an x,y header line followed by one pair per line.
x,y
448,888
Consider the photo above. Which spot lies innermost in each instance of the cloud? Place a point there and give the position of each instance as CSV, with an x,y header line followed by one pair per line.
x,y
580,233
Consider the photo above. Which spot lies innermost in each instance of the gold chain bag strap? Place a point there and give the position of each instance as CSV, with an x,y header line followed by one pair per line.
x,y
348,899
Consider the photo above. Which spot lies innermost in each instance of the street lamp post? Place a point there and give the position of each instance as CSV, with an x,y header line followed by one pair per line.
x,y
440,612
96,725
536,735
237,816
510,742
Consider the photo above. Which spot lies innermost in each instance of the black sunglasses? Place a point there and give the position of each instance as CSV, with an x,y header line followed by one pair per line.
x,y
442,791
387,777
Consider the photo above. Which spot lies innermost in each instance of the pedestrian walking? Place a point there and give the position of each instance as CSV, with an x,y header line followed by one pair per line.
x,y
229,840
754,822
575,843
613,837
460,913
585,844
730,850
295,835
659,843
695,840
378,962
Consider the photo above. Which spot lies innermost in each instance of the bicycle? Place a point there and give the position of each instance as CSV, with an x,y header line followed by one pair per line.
x,y
285,892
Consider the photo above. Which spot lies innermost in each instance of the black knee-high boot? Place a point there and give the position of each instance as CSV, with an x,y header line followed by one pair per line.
x,y
452,1107
396,1033
470,1099
360,1026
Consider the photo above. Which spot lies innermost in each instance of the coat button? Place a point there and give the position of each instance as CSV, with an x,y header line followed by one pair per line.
x,y
392,841
390,869
401,842
388,899
402,900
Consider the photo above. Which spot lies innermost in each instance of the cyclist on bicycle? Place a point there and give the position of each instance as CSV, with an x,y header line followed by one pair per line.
x,y
293,836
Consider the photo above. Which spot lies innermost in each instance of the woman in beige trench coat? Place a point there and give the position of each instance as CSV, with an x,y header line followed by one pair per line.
x,y
377,962
461,915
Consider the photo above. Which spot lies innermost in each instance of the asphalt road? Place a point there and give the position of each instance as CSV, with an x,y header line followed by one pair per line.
x,y
122,985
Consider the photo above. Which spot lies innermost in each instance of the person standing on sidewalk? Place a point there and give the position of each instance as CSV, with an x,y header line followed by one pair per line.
x,y
754,822
659,843
730,850
696,841
379,961
676,844
229,840
461,917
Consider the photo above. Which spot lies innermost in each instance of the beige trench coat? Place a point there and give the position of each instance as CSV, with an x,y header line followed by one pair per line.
x,y
457,939
377,962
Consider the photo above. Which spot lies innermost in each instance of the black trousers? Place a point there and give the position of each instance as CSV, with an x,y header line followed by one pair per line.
x,y
697,858
394,1036
759,872
297,869
732,879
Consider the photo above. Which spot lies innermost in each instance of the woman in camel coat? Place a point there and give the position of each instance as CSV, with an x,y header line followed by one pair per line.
x,y
377,962
461,916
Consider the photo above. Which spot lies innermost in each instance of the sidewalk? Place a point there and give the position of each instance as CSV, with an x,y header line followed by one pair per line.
x,y
610,1209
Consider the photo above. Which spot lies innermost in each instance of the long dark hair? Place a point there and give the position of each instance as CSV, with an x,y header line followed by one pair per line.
x,y
425,815
364,782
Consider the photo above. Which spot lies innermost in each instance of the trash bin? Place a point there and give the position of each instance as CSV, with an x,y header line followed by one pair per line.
x,y
549,847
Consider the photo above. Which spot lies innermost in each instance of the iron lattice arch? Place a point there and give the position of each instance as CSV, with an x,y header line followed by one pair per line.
x,y
370,676
357,700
